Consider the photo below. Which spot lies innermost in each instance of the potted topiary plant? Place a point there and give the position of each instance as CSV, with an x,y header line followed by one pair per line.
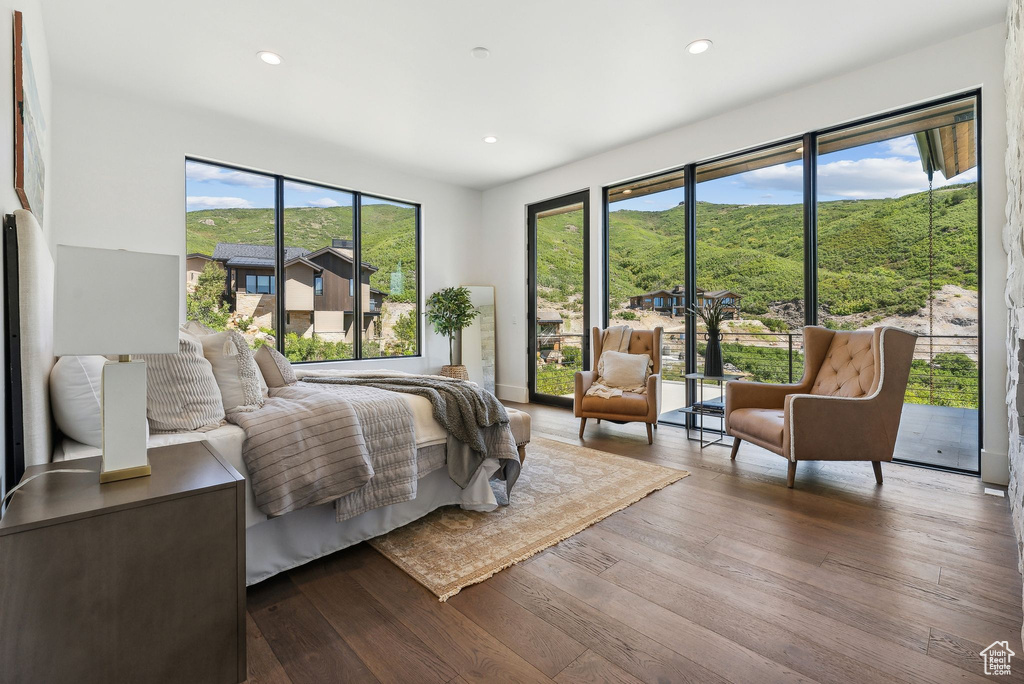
x,y
712,313
450,311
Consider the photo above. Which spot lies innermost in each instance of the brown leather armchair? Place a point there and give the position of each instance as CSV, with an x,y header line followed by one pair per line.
x,y
847,407
630,407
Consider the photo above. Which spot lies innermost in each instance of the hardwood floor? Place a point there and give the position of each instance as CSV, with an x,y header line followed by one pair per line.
x,y
725,576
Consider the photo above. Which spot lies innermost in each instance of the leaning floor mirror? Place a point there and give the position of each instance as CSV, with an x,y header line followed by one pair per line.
x,y
478,338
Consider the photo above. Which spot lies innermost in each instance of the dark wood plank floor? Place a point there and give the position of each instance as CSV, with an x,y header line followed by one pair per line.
x,y
725,576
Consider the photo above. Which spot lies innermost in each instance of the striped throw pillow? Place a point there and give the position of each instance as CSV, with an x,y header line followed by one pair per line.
x,y
181,390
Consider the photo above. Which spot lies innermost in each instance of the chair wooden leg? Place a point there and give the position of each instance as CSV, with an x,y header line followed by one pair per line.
x,y
655,426
791,475
598,421
583,424
650,434
877,466
735,447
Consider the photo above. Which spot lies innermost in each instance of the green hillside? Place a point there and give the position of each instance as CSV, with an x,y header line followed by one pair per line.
x,y
388,235
873,254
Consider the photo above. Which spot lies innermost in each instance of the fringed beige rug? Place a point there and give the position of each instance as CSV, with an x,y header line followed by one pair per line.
x,y
562,490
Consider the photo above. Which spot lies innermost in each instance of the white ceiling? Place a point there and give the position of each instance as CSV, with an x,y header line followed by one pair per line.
x,y
566,78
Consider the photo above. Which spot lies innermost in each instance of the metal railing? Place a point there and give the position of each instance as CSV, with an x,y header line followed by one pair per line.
x,y
944,371
558,359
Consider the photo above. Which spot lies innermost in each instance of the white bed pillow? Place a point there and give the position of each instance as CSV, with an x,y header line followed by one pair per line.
x,y
75,383
238,376
275,367
624,370
181,390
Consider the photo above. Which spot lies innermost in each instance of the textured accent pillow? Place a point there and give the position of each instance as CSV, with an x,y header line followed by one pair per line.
x,y
276,369
75,383
624,370
181,390
238,376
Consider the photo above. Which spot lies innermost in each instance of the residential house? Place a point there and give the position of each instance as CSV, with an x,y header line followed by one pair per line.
x,y
319,287
549,332
673,302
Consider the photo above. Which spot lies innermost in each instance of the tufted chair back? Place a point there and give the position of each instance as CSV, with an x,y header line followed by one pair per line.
x,y
850,367
640,342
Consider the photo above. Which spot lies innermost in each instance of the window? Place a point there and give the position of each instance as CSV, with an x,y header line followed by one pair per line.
x,y
229,229
869,223
388,277
646,250
750,242
327,246
897,205
319,240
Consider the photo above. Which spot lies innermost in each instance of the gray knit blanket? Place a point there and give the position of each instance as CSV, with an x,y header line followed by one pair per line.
x,y
357,448
471,415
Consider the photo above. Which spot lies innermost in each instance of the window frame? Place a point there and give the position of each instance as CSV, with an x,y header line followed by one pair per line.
x,y
809,140
318,286
280,314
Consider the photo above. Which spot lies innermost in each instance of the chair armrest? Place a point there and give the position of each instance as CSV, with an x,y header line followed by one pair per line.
x,y
584,379
741,394
653,397
823,428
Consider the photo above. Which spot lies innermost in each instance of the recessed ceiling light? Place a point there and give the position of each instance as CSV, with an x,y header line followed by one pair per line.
x,y
699,46
627,191
480,52
490,139
269,57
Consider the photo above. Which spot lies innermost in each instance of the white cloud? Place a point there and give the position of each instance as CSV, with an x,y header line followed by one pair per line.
x,y
324,202
196,171
193,203
902,147
869,178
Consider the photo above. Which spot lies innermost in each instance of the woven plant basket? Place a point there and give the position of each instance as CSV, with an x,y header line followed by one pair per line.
x,y
457,372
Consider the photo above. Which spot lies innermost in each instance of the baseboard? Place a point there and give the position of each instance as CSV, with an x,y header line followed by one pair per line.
x,y
995,467
512,393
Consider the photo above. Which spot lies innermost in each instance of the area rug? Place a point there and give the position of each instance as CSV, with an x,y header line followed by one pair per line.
x,y
563,489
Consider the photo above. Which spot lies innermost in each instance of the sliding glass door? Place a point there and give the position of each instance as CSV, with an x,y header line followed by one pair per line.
x,y
559,272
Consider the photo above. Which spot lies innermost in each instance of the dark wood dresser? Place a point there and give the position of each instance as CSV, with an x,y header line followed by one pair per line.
x,y
141,580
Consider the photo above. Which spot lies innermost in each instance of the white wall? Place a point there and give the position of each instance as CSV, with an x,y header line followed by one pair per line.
x,y
119,181
972,60
35,36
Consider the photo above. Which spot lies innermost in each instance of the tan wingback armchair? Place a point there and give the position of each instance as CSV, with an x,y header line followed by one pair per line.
x,y
847,407
630,407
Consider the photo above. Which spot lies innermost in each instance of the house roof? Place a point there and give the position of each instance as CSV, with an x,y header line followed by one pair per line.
x,y
341,254
718,294
658,292
303,260
549,316
225,251
251,262
198,255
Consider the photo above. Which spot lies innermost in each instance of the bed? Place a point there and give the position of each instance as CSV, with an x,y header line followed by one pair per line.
x,y
274,544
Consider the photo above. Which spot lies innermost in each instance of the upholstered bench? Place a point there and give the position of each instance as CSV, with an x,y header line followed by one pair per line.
x,y
519,421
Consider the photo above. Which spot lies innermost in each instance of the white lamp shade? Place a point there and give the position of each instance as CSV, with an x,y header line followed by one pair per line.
x,y
111,301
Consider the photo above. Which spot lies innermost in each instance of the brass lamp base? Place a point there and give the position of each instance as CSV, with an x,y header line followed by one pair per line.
x,y
124,474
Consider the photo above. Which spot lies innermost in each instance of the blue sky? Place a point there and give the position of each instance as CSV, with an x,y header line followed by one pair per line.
x,y
214,187
891,168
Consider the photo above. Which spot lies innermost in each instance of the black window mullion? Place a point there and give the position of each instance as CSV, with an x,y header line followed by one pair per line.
x,y
279,261
357,276
811,229
690,247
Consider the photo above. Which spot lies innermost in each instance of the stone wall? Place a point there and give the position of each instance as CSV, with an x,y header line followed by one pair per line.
x,y
1013,234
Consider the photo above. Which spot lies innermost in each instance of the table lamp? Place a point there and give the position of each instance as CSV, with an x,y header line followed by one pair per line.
x,y
112,302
